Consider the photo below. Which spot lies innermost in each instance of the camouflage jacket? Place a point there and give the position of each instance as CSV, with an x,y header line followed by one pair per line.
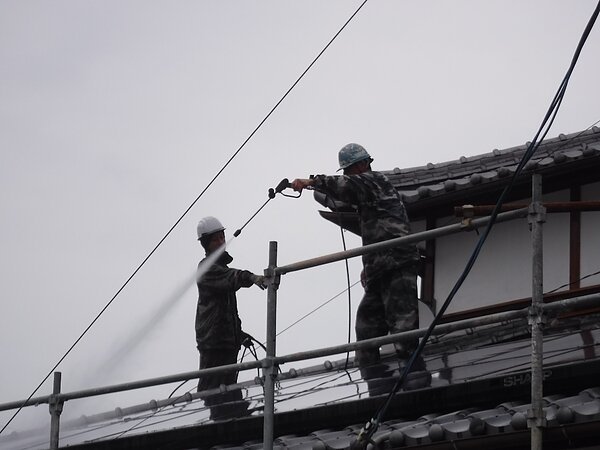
x,y
382,217
218,324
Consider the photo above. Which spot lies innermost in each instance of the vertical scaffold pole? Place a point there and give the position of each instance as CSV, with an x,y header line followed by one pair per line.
x,y
537,216
56,407
269,370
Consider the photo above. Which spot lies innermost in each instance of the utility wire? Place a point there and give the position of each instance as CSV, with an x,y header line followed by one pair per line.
x,y
271,196
185,212
371,427
573,282
349,297
282,331
316,309
285,397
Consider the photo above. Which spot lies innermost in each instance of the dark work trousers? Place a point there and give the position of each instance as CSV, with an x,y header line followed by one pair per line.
x,y
390,305
226,404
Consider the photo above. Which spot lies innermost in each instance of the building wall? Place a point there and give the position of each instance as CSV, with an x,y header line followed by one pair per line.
x,y
590,237
502,271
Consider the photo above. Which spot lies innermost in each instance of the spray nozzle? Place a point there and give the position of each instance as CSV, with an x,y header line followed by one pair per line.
x,y
283,184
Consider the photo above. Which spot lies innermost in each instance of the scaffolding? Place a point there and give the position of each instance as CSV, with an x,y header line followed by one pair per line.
x,y
536,314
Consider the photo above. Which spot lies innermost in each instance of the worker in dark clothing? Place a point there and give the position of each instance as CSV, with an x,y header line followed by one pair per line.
x,y
390,303
219,332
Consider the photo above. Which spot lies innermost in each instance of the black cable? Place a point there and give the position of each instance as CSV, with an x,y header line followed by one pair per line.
x,y
370,427
347,284
251,350
349,301
317,388
316,309
564,143
573,282
186,212
159,410
252,338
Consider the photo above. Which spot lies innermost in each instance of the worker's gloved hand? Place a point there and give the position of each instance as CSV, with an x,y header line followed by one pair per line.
x,y
259,280
301,183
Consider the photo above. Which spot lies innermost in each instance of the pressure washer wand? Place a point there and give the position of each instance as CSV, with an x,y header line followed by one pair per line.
x,y
283,184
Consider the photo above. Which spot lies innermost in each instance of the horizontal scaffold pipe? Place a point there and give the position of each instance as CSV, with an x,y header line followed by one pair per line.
x,y
134,385
412,238
409,239
553,309
551,207
572,304
152,405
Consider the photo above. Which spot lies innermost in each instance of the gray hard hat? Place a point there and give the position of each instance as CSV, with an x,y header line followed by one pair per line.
x,y
351,154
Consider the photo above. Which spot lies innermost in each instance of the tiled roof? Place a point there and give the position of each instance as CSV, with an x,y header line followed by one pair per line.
x,y
436,188
437,179
480,390
509,417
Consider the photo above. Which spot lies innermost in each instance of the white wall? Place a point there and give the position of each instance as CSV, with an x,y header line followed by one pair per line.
x,y
502,271
590,237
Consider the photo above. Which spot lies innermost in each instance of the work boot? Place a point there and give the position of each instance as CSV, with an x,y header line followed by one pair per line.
x,y
418,377
232,410
379,378
417,380
381,386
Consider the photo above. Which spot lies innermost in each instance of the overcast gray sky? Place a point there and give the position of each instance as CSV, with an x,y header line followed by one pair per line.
x,y
114,116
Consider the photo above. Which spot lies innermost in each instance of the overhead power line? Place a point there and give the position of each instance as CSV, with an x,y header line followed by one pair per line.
x,y
187,210
371,427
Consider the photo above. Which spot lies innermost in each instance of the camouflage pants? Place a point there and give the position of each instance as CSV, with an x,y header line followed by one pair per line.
x,y
390,305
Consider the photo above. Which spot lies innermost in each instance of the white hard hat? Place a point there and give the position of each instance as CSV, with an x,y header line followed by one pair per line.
x,y
209,225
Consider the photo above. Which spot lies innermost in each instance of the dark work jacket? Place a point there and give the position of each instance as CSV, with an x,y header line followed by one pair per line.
x,y
382,217
218,325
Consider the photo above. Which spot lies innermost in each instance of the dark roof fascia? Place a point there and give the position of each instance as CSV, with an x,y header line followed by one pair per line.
x,y
566,379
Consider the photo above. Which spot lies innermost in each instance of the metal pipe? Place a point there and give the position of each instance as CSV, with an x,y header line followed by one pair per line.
x,y
555,308
161,380
400,337
537,217
551,207
572,304
56,407
410,239
269,369
552,309
135,384
152,405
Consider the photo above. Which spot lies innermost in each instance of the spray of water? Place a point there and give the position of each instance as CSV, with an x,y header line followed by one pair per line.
x,y
139,334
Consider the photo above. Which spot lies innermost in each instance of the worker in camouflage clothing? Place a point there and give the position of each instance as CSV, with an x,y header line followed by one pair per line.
x,y
390,301
219,332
